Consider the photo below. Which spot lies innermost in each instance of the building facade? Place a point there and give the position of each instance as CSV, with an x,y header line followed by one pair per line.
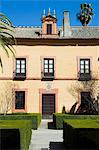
x,y
49,60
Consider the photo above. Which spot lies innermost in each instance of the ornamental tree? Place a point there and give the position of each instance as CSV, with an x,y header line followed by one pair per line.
x,y
86,13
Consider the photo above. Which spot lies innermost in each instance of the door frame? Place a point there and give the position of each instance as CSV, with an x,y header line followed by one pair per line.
x,y
44,91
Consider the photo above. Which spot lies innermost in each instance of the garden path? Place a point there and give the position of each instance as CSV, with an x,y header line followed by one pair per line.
x,y
46,139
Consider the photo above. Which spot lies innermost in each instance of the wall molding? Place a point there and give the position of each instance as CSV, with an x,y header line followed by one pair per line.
x,y
30,78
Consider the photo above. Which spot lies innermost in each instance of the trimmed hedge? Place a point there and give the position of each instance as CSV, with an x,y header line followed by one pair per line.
x,y
35,117
58,118
83,133
24,127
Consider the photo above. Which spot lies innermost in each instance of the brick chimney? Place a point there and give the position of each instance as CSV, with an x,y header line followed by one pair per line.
x,y
66,24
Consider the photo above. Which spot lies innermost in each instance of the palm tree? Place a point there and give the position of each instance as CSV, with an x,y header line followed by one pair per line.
x,y
86,13
6,36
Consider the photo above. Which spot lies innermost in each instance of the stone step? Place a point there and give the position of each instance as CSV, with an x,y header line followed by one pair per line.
x,y
47,117
44,123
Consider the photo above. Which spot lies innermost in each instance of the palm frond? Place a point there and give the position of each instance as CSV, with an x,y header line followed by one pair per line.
x,y
1,64
4,47
4,19
6,36
11,49
2,28
7,46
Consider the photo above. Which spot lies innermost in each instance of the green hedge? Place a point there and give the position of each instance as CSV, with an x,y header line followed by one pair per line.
x,y
83,133
35,117
58,118
24,127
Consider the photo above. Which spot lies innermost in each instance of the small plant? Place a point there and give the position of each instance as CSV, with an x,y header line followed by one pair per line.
x,y
63,110
73,108
86,13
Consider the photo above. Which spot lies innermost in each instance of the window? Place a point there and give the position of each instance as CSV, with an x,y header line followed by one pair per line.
x,y
85,73
20,67
48,69
20,100
84,66
48,66
49,28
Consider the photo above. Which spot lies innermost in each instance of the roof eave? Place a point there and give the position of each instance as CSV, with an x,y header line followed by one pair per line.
x,y
58,41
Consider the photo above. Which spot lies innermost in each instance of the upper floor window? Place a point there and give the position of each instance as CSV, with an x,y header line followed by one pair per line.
x,y
49,28
19,99
20,68
84,74
48,68
84,65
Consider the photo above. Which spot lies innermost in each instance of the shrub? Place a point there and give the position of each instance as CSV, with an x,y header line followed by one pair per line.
x,y
83,133
24,127
58,118
35,117
63,110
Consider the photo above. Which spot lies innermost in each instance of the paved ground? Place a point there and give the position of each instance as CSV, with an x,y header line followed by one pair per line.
x,y
46,139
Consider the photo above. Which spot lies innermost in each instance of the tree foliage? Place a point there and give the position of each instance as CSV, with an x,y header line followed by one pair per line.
x,y
6,36
85,86
7,95
86,13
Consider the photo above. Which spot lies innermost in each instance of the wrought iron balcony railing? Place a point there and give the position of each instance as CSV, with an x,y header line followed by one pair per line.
x,y
47,76
84,76
19,76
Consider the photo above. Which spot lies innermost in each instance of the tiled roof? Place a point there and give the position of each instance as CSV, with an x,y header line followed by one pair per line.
x,y
85,32
75,32
27,32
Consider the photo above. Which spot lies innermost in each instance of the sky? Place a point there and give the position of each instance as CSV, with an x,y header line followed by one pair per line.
x,y
29,12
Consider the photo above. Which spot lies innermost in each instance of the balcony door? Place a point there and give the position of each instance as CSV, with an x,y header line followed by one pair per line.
x,y
84,66
85,73
20,71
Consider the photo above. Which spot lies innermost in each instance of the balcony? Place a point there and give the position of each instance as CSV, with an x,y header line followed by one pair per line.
x,y
47,76
19,76
84,76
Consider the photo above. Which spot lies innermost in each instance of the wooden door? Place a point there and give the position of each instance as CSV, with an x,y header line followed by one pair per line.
x,y
48,104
